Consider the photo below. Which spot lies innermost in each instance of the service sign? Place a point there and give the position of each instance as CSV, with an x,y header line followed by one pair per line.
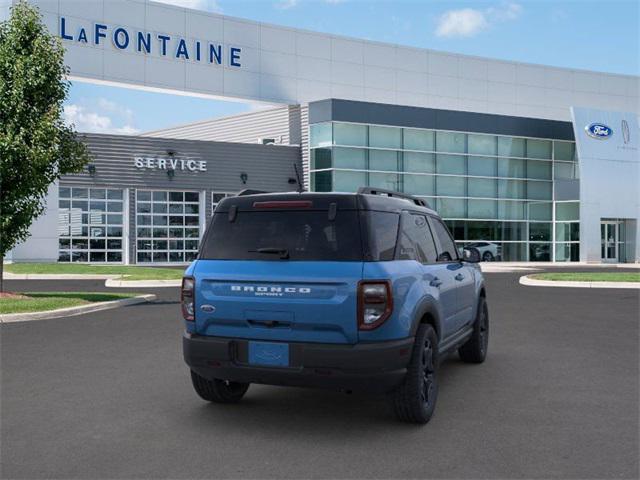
x,y
171,163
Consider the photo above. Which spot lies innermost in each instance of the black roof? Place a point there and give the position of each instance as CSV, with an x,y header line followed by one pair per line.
x,y
322,201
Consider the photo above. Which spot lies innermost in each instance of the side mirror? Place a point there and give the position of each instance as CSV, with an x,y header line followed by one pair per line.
x,y
471,255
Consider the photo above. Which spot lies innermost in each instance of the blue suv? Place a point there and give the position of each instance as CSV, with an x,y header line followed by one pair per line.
x,y
362,291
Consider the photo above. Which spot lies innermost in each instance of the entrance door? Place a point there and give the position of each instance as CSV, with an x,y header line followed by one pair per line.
x,y
609,241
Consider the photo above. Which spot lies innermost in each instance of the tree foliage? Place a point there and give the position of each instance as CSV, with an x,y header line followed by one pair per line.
x,y
36,147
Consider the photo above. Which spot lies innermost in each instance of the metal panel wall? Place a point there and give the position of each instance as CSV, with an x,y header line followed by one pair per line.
x,y
281,124
268,167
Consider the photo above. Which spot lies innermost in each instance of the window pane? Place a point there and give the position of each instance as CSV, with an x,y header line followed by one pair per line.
x,y
383,228
79,192
513,231
321,181
349,134
540,252
481,231
538,148
454,164
98,193
114,194
419,162
565,171
418,184
451,207
482,209
162,196
383,160
567,232
567,211
510,147
450,186
511,167
539,190
348,181
567,252
415,241
511,210
320,158
450,142
539,211
349,158
539,170
385,137
483,144
564,150
64,192
388,181
539,232
173,196
320,134
419,139
143,196
447,250
483,166
511,189
482,187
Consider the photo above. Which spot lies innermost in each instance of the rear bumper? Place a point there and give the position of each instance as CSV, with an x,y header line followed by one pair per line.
x,y
373,367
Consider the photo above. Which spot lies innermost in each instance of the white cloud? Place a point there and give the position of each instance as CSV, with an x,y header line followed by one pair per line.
x,y
467,22
286,4
103,117
207,5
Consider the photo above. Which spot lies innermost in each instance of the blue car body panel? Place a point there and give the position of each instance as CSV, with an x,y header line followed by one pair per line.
x,y
293,301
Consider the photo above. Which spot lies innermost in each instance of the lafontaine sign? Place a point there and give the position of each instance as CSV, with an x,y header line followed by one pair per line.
x,y
160,44
172,163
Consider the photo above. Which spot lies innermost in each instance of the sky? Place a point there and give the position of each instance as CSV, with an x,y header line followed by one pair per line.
x,y
601,35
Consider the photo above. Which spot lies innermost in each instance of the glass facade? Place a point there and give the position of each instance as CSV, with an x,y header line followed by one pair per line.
x,y
90,225
167,226
489,188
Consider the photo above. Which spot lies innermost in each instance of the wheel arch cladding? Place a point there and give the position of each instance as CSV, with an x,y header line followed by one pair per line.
x,y
427,314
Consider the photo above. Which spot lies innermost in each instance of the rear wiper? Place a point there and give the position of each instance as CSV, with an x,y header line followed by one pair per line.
x,y
283,252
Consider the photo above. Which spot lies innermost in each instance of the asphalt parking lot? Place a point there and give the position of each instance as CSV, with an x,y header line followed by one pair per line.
x,y
107,395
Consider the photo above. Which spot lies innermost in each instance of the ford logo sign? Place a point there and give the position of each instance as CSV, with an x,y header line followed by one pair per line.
x,y
599,131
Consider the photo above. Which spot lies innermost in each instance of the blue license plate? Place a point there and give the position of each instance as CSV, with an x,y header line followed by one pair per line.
x,y
269,354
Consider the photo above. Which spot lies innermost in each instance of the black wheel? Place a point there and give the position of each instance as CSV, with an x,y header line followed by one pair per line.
x,y
475,350
218,391
415,400
487,257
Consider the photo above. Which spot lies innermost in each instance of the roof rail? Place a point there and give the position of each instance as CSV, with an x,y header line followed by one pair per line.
x,y
390,193
249,191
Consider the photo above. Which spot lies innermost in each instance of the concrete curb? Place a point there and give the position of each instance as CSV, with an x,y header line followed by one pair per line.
x,y
79,310
113,281
532,282
60,276
117,283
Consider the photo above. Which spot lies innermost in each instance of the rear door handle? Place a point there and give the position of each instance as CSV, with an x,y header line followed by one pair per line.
x,y
436,282
459,277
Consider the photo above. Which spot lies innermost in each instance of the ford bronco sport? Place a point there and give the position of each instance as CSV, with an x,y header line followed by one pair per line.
x,y
360,291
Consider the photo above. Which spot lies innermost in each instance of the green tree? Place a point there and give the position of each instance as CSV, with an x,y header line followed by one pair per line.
x,y
36,147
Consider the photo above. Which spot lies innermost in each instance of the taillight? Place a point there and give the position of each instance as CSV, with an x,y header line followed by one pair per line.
x,y
375,303
186,298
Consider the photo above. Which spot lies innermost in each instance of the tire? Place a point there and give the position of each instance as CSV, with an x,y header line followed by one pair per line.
x,y
488,257
414,401
218,391
475,350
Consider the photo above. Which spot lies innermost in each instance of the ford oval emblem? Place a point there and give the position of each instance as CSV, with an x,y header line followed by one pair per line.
x,y
599,131
208,308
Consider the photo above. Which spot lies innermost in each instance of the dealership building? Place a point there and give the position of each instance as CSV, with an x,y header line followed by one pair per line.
x,y
532,162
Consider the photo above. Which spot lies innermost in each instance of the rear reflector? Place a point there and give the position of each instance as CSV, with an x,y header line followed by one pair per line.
x,y
284,204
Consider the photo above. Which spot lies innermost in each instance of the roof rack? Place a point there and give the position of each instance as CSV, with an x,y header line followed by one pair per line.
x,y
390,193
249,191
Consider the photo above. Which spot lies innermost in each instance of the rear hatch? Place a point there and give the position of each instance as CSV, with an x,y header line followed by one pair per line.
x,y
283,270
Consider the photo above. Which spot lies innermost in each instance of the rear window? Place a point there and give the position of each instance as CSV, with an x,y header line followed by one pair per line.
x,y
278,235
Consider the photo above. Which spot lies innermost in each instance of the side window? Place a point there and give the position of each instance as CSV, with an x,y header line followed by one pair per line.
x,y
381,232
447,251
415,242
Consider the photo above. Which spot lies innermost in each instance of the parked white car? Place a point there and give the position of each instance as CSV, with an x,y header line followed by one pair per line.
x,y
489,251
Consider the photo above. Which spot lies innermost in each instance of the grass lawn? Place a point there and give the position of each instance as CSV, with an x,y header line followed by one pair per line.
x,y
129,272
589,276
43,301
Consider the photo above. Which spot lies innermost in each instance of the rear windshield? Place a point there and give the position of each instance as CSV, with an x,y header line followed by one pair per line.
x,y
284,235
